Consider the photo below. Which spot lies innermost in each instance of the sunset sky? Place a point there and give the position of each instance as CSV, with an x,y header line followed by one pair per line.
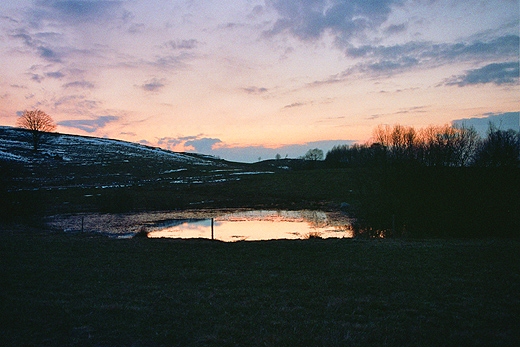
x,y
244,79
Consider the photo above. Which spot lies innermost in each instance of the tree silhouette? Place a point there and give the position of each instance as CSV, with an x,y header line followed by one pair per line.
x,y
314,154
400,141
37,122
447,145
500,149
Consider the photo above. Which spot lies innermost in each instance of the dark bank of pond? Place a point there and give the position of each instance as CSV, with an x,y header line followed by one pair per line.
x,y
223,225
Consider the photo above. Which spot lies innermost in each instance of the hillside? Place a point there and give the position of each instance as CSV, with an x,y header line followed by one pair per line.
x,y
71,161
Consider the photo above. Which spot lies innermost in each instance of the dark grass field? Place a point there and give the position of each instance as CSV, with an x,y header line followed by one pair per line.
x,y
61,289
320,189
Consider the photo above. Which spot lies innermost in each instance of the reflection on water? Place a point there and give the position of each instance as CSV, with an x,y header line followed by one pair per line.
x,y
255,226
228,225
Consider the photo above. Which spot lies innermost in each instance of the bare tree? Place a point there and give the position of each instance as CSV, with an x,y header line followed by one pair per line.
x,y
448,145
37,122
501,148
466,145
314,154
399,140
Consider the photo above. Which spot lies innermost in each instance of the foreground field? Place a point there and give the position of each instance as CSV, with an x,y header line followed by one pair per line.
x,y
62,290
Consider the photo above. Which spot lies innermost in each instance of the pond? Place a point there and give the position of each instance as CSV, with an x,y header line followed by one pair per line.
x,y
223,225
256,226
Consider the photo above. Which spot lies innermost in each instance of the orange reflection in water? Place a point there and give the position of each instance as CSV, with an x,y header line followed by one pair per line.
x,y
256,226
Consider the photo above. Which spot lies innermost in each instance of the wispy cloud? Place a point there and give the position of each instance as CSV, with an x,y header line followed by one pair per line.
x,y
36,77
154,85
79,103
308,20
414,109
74,12
496,73
166,62
39,44
395,29
136,28
44,30
504,46
182,44
79,84
55,74
378,60
294,104
89,125
255,90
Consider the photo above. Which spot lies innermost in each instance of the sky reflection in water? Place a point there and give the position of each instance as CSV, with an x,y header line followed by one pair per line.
x,y
255,226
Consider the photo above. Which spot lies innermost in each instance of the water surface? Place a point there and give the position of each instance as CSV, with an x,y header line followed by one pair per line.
x,y
223,225
256,226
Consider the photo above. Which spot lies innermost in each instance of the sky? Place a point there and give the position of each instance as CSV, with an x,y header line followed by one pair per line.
x,y
248,79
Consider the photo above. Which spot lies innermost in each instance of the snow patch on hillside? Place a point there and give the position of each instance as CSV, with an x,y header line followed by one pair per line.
x,y
11,157
123,148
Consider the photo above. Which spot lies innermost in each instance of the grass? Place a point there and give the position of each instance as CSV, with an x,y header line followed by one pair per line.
x,y
287,190
397,201
80,290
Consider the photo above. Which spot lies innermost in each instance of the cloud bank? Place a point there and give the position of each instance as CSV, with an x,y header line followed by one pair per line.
x,y
381,61
249,154
75,12
309,20
502,121
89,125
496,73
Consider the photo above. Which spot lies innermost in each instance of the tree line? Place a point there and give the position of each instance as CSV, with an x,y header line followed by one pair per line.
x,y
440,181
433,146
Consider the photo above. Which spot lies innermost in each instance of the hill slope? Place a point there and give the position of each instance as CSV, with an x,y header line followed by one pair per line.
x,y
66,161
